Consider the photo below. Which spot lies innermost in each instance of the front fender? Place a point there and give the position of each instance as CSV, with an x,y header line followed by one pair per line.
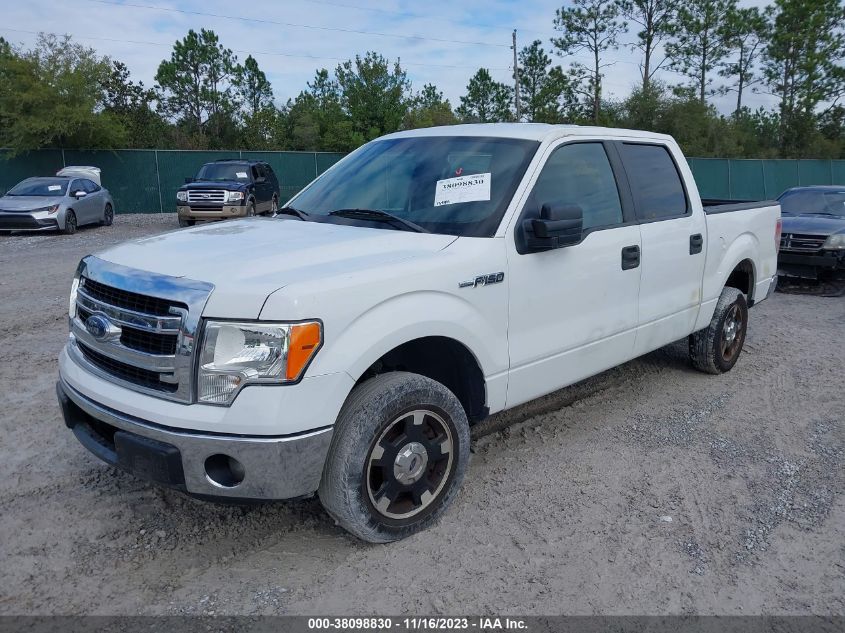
x,y
410,316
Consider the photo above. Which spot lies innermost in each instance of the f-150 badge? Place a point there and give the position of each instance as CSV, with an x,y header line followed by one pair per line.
x,y
483,280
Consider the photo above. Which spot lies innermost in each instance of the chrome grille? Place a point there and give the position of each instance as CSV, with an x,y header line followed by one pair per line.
x,y
211,196
801,243
153,321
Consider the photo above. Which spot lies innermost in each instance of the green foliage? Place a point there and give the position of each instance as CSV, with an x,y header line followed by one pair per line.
x,y
197,87
699,42
745,32
428,108
804,67
592,26
52,94
374,94
655,20
486,100
547,93
61,94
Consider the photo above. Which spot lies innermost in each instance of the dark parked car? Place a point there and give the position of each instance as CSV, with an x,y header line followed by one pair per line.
x,y
228,188
813,240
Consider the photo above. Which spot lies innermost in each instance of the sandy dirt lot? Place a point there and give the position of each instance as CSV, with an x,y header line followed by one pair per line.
x,y
650,489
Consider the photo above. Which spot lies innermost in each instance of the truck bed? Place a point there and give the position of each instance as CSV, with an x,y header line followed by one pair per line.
x,y
717,205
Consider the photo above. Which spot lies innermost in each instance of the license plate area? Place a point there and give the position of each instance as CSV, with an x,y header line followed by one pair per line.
x,y
149,459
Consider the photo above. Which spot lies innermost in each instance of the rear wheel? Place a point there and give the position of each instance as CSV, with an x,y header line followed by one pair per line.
x,y
70,223
398,456
108,216
716,349
274,206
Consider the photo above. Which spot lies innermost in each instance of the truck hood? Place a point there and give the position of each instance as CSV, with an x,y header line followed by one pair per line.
x,y
812,224
28,203
247,260
214,184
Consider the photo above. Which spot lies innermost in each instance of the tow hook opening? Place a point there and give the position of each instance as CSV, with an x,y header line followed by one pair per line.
x,y
224,471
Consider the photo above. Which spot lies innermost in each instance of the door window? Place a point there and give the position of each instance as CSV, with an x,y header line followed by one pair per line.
x,y
580,174
89,186
655,181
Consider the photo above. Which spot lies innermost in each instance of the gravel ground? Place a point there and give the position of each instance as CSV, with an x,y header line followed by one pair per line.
x,y
650,489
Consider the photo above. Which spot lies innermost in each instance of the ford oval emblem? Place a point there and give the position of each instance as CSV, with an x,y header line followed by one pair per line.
x,y
98,326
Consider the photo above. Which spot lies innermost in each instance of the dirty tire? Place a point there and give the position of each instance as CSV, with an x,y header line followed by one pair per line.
x,y
108,216
70,223
706,347
250,209
184,223
379,406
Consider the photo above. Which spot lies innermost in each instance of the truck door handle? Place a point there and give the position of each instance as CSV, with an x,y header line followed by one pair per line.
x,y
630,257
696,243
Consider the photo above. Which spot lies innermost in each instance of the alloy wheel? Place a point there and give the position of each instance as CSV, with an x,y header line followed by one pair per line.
x,y
409,464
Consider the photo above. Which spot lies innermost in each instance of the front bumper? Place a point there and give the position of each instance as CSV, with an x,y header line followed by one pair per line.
x,y
282,467
26,222
211,213
791,262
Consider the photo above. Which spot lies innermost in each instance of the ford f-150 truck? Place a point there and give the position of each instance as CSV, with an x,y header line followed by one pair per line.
x,y
427,280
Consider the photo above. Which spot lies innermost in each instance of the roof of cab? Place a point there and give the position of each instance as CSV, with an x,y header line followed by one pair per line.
x,y
529,131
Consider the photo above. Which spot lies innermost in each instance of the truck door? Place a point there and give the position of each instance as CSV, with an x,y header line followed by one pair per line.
x,y
673,239
573,310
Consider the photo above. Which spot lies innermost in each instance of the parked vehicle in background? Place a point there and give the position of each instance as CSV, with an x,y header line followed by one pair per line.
x,y
63,202
428,279
79,171
813,241
228,188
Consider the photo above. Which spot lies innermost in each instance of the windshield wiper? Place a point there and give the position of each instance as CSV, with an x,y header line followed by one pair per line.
x,y
294,212
379,216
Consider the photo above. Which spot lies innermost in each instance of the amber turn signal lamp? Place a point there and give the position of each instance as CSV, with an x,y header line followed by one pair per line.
x,y
305,339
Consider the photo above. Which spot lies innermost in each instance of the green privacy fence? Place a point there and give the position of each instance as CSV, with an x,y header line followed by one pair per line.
x,y
145,181
750,179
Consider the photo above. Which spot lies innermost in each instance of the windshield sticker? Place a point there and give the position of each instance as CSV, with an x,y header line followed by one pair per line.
x,y
54,188
241,174
472,188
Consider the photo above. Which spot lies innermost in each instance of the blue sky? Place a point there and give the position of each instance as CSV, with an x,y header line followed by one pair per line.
x,y
292,38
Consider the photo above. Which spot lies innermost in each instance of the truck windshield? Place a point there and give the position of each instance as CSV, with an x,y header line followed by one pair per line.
x,y
39,187
811,202
224,171
457,185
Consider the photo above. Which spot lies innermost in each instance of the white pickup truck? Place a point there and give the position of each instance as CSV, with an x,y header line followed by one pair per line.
x,y
427,280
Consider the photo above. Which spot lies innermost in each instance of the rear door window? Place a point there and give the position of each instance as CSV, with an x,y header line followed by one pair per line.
x,y
655,182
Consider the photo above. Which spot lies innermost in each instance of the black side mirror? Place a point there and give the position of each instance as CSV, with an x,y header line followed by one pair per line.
x,y
189,180
559,225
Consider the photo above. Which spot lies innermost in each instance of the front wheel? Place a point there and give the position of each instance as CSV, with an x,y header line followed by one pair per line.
x,y
716,348
250,209
183,222
398,456
70,223
108,216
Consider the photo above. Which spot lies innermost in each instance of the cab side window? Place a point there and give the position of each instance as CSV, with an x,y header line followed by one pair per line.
x,y
580,174
655,181
89,186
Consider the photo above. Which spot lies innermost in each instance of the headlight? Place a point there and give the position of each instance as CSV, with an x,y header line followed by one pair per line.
x,y
234,196
181,196
51,209
835,242
237,354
